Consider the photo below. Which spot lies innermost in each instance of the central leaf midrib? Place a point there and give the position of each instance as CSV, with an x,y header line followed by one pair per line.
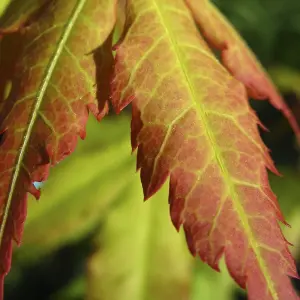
x,y
235,199
39,99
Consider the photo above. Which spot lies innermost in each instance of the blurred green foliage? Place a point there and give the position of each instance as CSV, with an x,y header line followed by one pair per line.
x,y
3,5
271,28
91,236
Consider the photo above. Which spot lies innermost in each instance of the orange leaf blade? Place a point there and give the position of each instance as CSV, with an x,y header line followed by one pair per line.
x,y
192,121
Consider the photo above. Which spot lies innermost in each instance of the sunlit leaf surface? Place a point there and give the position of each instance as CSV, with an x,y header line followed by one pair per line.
x,y
192,122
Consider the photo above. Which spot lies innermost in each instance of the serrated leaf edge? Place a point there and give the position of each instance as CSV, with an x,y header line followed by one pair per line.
x,y
235,199
39,99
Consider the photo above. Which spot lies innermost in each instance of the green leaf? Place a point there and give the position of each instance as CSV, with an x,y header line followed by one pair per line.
x,y
140,255
73,291
286,78
80,190
3,6
208,285
287,189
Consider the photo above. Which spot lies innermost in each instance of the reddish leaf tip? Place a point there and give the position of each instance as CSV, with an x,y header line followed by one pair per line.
x,y
34,191
115,47
262,126
82,133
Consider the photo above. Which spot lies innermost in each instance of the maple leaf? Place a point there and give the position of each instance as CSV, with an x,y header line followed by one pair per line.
x,y
237,57
159,265
192,121
52,92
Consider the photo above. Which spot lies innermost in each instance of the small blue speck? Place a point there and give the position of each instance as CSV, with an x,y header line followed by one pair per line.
x,y
38,184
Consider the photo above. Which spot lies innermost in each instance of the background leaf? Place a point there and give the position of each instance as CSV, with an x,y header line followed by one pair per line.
x,y
205,281
287,78
3,5
78,203
140,255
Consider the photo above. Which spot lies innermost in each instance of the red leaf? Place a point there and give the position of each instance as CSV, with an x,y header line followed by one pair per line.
x,y
237,57
192,121
53,90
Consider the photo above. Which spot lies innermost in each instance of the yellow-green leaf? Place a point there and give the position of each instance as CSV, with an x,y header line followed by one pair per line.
x,y
140,255
80,190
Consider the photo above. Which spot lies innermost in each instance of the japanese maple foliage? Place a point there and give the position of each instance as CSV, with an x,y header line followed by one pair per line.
x,y
237,57
53,89
191,121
